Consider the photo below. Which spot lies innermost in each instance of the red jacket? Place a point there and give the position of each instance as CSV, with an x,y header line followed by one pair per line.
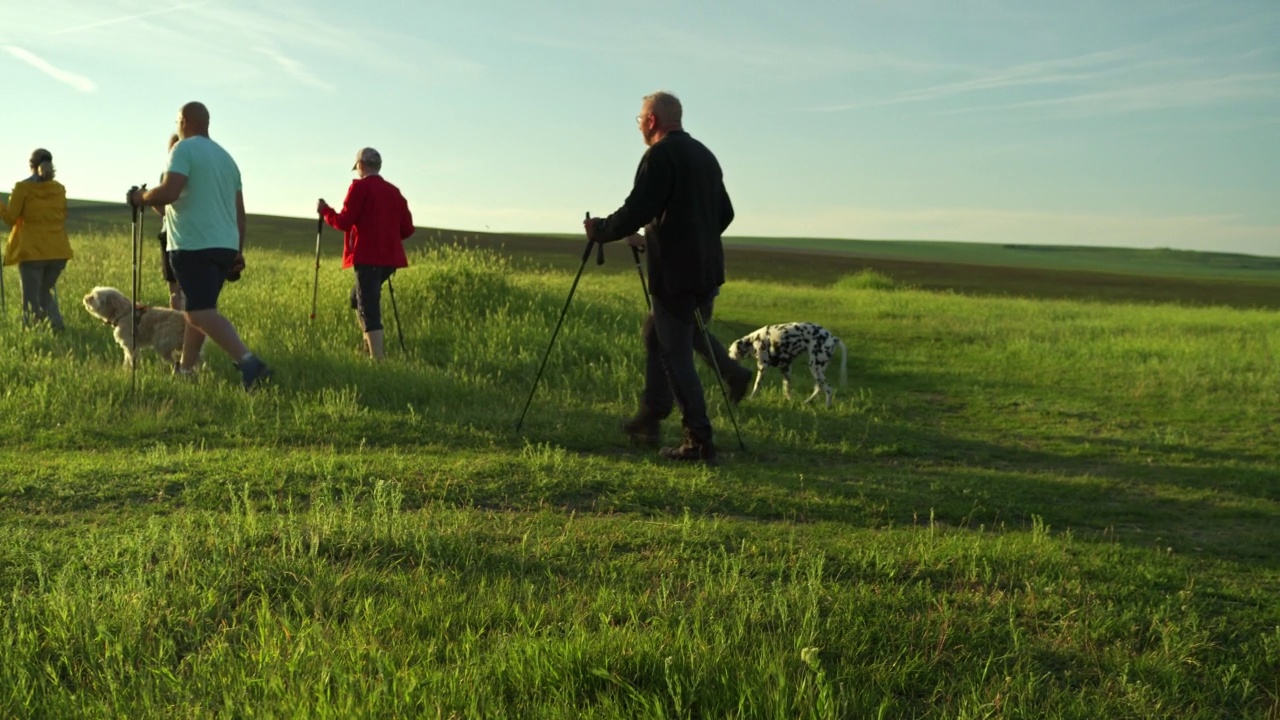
x,y
375,221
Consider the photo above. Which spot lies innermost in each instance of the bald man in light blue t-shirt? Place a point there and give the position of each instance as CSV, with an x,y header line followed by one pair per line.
x,y
207,215
205,221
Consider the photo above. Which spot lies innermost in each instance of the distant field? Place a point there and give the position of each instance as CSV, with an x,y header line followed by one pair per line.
x,y
1124,261
1163,261
1035,271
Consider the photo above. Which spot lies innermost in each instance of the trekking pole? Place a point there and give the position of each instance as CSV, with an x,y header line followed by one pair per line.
x,y
391,290
134,228
315,287
635,253
586,253
715,365
137,257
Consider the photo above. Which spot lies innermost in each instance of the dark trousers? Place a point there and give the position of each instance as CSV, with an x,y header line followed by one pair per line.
x,y
671,336
366,294
201,274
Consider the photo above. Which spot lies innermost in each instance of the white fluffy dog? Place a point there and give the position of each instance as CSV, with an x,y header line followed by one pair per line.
x,y
159,328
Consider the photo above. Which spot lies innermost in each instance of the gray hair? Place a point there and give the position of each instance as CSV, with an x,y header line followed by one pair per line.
x,y
666,106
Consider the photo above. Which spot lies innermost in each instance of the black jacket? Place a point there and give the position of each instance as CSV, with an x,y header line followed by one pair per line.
x,y
679,194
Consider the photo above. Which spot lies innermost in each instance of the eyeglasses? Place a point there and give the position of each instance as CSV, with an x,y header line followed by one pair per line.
x,y
640,118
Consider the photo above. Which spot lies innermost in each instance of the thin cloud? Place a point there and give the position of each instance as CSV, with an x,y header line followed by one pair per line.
x,y
79,82
1185,93
295,28
1132,69
763,54
291,46
766,55
128,18
296,70
1043,72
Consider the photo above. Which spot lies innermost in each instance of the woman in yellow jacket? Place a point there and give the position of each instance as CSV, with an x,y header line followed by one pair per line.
x,y
38,244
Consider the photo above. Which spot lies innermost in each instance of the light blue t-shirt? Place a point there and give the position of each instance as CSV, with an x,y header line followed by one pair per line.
x,y
204,215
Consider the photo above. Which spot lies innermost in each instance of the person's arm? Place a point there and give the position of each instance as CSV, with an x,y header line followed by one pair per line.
x,y
13,211
173,182
160,208
351,207
406,220
166,192
726,210
240,217
652,187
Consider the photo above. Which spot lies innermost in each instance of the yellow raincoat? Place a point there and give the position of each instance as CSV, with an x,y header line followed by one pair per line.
x,y
38,213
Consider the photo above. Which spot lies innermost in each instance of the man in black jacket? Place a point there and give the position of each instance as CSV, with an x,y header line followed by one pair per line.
x,y
679,197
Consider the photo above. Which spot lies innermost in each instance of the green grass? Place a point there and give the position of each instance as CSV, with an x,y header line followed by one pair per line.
x,y
1044,271
1018,507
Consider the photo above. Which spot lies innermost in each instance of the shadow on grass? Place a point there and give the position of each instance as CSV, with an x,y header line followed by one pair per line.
x,y
873,466
864,463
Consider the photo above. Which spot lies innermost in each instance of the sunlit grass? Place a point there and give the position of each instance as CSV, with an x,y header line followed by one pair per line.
x,y
1020,508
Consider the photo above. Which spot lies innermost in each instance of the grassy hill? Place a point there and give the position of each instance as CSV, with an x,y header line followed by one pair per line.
x,y
1105,274
1019,506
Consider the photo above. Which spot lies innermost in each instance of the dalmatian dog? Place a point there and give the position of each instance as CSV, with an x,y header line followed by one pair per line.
x,y
780,345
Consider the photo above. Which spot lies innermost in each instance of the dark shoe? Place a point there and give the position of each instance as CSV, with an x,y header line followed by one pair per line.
x,y
253,373
738,387
692,450
643,430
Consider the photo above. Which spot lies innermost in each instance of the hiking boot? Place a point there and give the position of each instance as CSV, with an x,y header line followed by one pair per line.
x,y
253,372
692,450
643,430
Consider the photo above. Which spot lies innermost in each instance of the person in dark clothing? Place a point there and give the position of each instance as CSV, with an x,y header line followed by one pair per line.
x,y
680,199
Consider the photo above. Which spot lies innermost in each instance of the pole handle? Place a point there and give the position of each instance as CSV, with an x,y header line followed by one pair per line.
x,y
599,247
315,287
586,252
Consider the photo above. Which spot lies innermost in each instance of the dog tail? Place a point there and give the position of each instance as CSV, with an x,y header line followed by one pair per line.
x,y
844,363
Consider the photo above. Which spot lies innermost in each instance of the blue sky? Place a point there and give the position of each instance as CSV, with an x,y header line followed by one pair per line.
x,y
1140,123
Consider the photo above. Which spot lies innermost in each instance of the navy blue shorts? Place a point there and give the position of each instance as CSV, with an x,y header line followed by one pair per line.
x,y
201,274
366,294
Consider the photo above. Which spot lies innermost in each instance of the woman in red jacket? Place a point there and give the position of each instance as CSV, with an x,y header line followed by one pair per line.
x,y
375,221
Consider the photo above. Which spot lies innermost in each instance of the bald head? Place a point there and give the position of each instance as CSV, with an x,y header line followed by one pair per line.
x,y
193,120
